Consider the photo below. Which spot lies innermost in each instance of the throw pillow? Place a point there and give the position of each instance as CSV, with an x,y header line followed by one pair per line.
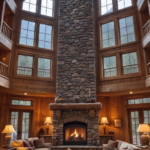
x,y
32,144
112,144
26,143
39,143
17,143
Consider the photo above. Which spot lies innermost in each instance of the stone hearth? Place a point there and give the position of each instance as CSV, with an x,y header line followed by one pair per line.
x,y
76,70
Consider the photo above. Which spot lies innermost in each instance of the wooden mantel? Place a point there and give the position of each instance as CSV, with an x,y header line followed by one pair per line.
x,y
65,106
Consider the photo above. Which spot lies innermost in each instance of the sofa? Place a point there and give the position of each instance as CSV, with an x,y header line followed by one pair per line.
x,y
19,144
123,145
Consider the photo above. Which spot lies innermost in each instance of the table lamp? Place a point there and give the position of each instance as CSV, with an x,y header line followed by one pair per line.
x,y
8,129
104,121
144,128
48,121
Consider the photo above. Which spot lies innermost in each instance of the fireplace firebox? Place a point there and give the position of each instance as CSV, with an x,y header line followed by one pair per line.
x,y
75,133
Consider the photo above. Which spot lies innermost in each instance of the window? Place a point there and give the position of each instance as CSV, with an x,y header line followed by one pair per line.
x,y
110,66
25,64
14,122
139,101
27,33
29,5
25,125
21,102
124,3
130,63
45,34
106,6
44,67
108,34
134,127
126,30
47,8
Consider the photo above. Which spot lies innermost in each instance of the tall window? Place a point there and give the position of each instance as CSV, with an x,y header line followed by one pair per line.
x,y
44,67
106,6
25,64
127,30
14,122
124,3
130,63
47,8
108,34
110,66
27,33
45,35
29,5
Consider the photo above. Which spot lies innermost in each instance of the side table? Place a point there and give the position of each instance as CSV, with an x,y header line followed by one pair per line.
x,y
47,138
105,138
13,148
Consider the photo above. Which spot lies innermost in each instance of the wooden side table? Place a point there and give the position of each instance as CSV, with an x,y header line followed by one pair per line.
x,y
47,138
105,138
13,148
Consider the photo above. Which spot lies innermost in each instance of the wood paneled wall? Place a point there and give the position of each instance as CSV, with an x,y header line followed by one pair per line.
x,y
113,107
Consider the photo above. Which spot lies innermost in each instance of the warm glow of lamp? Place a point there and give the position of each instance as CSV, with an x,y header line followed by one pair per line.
x,y
48,121
104,121
144,128
8,129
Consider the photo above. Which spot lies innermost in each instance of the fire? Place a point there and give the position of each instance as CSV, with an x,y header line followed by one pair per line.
x,y
75,133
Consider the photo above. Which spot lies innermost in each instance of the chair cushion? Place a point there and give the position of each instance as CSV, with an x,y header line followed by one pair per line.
x,y
112,144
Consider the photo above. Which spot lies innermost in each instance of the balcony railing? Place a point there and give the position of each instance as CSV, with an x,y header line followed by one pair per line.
x,y
3,70
146,28
148,68
7,31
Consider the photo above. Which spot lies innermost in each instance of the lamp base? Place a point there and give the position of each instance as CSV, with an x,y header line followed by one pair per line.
x,y
145,139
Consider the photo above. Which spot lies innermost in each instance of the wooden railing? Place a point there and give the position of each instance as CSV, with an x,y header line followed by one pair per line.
x,y
6,30
148,67
3,70
146,28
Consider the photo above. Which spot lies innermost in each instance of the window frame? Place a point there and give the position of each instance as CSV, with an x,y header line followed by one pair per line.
x,y
125,7
134,24
51,61
36,35
53,14
32,65
109,68
36,11
119,64
52,36
130,65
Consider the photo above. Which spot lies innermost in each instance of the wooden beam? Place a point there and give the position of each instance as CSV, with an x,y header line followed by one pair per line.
x,y
65,106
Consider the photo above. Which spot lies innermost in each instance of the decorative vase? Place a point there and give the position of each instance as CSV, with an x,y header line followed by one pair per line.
x,y
93,100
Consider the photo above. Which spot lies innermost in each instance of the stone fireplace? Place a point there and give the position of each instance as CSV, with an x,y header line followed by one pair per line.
x,y
76,123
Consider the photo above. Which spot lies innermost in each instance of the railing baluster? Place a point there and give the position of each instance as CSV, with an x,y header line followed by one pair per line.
x,y
3,69
7,31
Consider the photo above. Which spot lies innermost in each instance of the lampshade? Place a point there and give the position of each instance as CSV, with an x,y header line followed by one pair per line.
x,y
48,120
9,129
143,128
104,120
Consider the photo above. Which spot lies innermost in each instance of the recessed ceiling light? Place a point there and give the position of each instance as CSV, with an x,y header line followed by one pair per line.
x,y
25,93
131,92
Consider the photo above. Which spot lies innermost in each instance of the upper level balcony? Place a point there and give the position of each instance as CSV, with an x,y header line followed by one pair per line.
x,y
7,11
4,80
141,5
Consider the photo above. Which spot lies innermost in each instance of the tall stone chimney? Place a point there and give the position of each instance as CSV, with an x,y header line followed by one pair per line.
x,y
76,53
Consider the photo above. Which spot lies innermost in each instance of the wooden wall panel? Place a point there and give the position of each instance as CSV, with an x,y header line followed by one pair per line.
x,y
112,107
